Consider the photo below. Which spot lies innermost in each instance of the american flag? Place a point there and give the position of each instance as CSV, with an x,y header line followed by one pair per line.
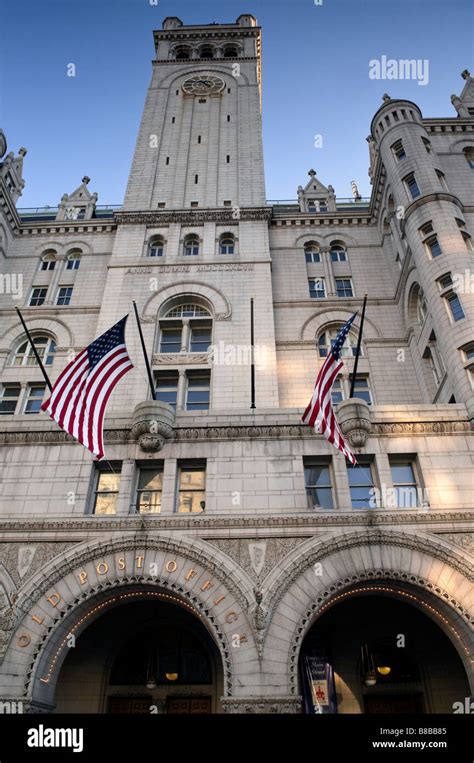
x,y
320,412
80,394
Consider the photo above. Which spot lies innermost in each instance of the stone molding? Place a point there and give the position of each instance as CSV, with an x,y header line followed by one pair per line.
x,y
91,523
371,536
258,705
267,432
191,216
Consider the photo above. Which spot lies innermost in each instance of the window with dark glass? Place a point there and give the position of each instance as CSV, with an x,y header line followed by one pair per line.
x,y
170,338
191,486
64,295
9,396
33,398
200,336
361,388
412,186
149,489
433,246
344,287
455,307
398,150
198,390
167,387
317,289
38,296
317,477
404,483
360,485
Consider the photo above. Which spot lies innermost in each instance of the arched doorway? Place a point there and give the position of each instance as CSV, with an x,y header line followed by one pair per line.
x,y
375,652
145,654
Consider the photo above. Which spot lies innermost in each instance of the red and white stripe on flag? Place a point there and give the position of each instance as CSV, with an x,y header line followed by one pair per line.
x,y
320,412
80,395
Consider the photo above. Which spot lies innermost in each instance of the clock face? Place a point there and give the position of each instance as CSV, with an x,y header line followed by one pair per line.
x,y
203,84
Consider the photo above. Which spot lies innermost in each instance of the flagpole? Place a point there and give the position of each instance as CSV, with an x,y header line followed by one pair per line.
x,y
35,351
147,362
359,341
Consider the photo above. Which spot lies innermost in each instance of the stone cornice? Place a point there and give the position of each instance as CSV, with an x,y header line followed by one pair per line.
x,y
191,216
250,432
162,61
370,519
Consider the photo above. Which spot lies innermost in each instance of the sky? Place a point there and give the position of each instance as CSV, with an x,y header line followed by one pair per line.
x,y
316,65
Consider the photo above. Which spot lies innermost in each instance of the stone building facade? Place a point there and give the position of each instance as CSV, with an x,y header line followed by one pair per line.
x,y
195,569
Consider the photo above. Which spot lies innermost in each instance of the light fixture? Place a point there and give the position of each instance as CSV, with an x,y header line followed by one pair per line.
x,y
368,668
384,671
171,676
151,680
150,683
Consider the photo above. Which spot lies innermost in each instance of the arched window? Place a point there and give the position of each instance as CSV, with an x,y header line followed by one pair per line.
x,y
230,51
227,244
421,307
207,51
49,259
73,259
338,252
191,245
186,327
45,346
182,54
327,338
156,247
469,154
311,252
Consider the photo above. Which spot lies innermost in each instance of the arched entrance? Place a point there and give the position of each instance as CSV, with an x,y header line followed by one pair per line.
x,y
147,652
372,651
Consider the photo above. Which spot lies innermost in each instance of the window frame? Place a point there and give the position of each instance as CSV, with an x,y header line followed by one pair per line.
x,y
197,374
344,288
190,465
323,464
65,297
315,293
28,398
115,470
42,298
411,184
400,460
158,469
362,463
47,357
16,398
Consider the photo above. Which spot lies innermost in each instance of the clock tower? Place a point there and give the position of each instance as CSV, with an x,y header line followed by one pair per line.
x,y
200,139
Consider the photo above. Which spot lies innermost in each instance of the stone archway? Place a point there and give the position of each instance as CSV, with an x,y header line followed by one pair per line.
x,y
436,577
69,593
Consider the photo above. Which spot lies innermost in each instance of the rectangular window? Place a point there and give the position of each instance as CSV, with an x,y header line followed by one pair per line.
x,y
442,180
344,287
228,117
312,256
48,264
199,138
337,392
34,398
167,387
73,264
412,186
64,295
404,483
170,339
228,158
361,388
149,489
426,229
433,246
360,485
317,289
200,337
167,160
317,478
198,390
398,150
338,255
107,490
445,281
192,487
9,396
196,179
38,296
455,307
427,145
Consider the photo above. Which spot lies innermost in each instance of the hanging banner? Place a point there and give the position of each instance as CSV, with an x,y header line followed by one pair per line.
x,y
319,691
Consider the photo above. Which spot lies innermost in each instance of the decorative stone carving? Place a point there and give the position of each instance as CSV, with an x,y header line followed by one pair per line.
x,y
182,358
464,540
354,420
272,705
153,423
23,561
257,556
